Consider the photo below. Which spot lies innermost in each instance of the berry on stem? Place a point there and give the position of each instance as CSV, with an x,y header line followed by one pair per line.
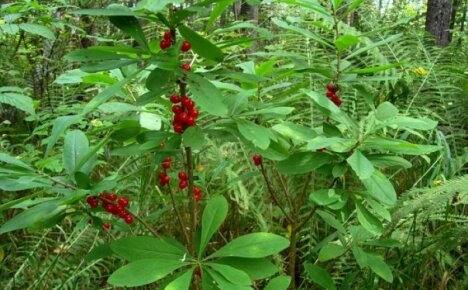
x,y
174,98
165,43
128,219
257,160
182,176
106,225
167,35
186,67
183,184
185,46
123,202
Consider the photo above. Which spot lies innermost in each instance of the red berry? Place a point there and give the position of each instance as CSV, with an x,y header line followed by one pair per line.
x,y
162,175
177,109
257,159
166,165
167,159
186,67
110,208
165,180
182,176
162,144
337,101
197,197
185,101
174,99
331,95
185,46
165,43
183,184
190,121
112,197
330,87
117,209
182,117
197,190
167,35
128,219
106,225
193,112
92,201
123,202
178,128
123,214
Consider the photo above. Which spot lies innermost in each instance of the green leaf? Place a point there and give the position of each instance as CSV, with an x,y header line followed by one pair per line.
x,y
207,96
220,7
91,54
194,137
373,69
258,135
99,252
324,142
213,216
19,101
319,276
158,79
201,45
231,274
143,272
182,282
386,111
222,282
304,162
304,32
386,161
23,183
278,283
75,147
117,107
112,10
379,209
368,220
331,110
156,6
253,246
345,41
331,251
397,146
145,247
295,132
38,30
331,220
374,262
380,188
131,26
361,165
40,216
82,180
14,161
257,269
411,123
150,121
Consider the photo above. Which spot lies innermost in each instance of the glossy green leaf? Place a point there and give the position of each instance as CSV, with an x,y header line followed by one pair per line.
x,y
295,132
19,101
75,147
380,188
156,6
331,251
158,79
143,272
257,269
278,283
374,262
112,10
40,216
319,276
23,183
231,274
361,165
304,32
207,96
38,30
213,216
386,111
194,137
98,252
345,41
201,45
411,123
182,282
368,220
331,220
14,161
303,162
224,283
386,161
145,247
258,135
397,146
253,246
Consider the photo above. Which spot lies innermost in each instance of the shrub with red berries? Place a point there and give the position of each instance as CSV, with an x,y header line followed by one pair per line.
x,y
331,94
112,204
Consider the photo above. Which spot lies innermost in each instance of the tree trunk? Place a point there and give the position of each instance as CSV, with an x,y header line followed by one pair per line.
x,y
438,17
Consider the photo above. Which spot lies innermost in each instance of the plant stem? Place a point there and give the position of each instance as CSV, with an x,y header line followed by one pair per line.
x,y
273,195
192,204
292,258
179,217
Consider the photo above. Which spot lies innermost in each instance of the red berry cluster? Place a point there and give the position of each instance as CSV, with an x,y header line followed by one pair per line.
x,y
183,183
164,179
257,160
112,204
166,42
331,94
185,114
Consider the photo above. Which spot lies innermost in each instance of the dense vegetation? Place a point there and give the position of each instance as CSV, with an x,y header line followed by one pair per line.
x,y
230,144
